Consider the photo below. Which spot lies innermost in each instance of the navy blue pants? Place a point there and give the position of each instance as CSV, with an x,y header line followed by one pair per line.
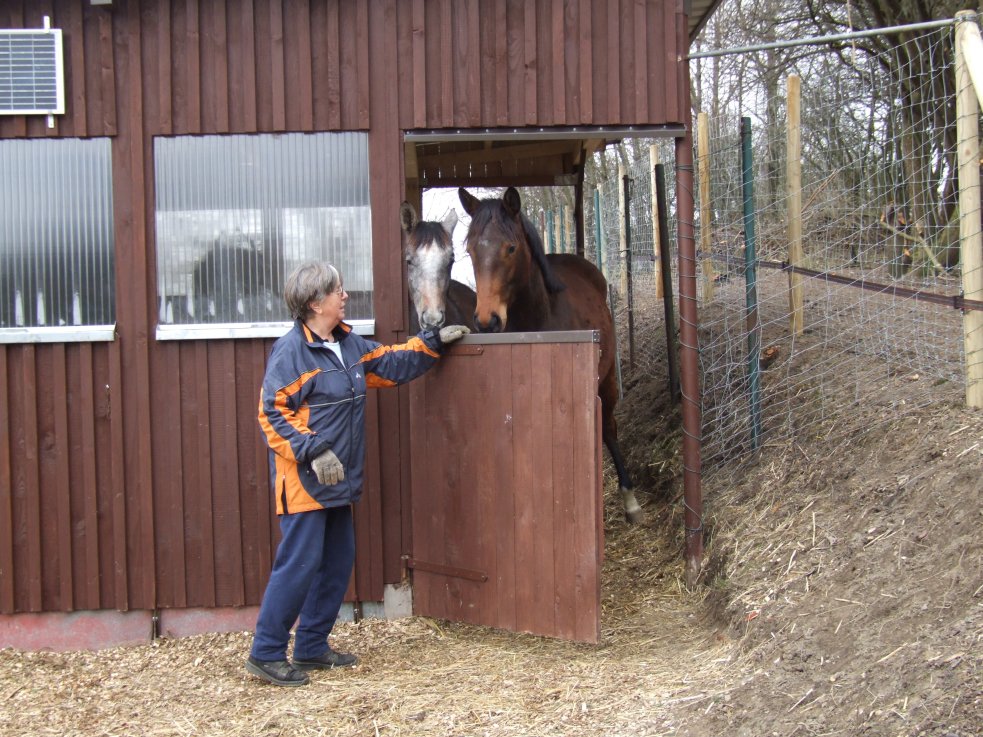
x,y
309,578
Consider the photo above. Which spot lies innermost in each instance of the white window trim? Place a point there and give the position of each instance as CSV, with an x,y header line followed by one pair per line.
x,y
212,331
60,334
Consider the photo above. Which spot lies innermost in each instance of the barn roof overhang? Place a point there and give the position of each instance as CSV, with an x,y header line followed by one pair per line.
x,y
698,12
530,157
520,157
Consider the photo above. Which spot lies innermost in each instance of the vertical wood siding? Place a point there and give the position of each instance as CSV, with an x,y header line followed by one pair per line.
x,y
132,473
508,63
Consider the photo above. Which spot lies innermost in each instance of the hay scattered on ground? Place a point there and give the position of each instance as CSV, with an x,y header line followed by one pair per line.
x,y
842,595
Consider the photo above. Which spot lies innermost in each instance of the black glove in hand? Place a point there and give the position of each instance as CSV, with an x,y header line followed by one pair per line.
x,y
328,468
451,333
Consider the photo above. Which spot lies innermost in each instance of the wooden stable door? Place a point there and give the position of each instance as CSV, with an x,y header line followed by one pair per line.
x,y
507,526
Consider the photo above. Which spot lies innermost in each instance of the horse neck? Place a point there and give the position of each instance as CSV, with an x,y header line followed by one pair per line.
x,y
532,309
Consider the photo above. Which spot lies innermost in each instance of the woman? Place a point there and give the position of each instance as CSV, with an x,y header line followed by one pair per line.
x,y
312,412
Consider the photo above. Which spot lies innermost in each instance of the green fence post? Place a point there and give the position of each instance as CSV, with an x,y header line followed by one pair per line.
x,y
751,285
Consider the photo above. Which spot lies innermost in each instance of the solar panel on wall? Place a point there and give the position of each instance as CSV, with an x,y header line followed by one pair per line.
x,y
31,72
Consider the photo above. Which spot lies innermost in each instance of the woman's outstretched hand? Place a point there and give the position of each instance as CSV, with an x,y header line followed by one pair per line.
x,y
450,333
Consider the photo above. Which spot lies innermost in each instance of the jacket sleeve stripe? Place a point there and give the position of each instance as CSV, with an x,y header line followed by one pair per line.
x,y
279,421
413,344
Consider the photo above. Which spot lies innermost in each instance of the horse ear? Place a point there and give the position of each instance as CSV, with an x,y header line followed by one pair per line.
x,y
468,201
407,216
450,221
513,203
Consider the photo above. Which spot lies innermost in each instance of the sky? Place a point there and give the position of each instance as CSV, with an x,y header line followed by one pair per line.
x,y
436,204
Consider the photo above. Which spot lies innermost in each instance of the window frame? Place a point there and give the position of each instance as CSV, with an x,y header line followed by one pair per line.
x,y
247,329
95,332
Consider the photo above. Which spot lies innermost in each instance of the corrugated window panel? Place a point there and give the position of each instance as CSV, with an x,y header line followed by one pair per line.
x,y
57,269
236,214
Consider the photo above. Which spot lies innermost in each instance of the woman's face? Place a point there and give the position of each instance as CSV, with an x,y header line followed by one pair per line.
x,y
331,309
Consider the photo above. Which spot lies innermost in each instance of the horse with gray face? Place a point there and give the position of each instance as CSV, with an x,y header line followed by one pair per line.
x,y
436,299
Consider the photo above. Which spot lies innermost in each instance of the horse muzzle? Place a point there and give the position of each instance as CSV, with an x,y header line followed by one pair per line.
x,y
432,319
493,325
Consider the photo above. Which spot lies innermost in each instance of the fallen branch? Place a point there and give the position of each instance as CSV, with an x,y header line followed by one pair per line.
x,y
917,240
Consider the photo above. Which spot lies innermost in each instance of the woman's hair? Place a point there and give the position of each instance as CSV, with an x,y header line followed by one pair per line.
x,y
310,282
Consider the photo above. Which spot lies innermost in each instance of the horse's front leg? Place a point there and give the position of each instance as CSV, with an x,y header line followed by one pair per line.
x,y
633,510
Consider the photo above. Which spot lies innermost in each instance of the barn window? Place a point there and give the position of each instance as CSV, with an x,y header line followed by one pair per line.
x,y
56,240
236,214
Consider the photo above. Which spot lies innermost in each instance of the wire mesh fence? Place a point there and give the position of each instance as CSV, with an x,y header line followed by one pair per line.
x,y
880,231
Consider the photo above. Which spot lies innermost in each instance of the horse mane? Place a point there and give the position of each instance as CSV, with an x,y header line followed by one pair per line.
x,y
426,230
553,283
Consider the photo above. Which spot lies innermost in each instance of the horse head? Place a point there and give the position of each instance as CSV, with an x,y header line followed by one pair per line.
x,y
509,261
429,253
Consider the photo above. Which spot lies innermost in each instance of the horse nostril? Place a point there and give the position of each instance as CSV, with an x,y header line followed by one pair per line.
x,y
494,324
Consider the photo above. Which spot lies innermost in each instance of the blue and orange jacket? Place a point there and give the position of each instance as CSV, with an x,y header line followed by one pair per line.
x,y
310,402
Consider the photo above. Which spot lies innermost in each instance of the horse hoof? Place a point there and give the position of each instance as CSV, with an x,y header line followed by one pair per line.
x,y
635,517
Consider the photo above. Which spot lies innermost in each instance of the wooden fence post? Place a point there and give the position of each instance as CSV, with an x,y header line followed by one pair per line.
x,y
703,161
794,187
656,245
971,257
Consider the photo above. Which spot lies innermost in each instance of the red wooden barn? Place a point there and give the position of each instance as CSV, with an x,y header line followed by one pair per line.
x,y
165,163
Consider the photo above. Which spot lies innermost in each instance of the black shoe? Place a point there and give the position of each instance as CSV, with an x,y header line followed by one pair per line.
x,y
330,659
279,672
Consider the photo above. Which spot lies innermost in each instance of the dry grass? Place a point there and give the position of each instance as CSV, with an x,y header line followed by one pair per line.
x,y
842,596
416,676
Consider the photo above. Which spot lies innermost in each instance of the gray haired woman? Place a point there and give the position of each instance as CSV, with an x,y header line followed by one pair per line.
x,y
312,413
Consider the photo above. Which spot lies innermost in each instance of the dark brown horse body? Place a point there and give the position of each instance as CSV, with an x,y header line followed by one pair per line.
x,y
523,289
435,299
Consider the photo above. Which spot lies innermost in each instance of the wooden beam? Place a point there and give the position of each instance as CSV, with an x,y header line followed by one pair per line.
x,y
499,153
497,181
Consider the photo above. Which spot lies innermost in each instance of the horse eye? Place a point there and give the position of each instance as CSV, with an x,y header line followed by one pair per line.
x,y
511,248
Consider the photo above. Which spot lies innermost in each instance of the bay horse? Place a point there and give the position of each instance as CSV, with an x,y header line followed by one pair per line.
x,y
521,288
436,300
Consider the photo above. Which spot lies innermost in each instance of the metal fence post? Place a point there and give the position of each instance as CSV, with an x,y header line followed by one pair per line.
x,y
751,285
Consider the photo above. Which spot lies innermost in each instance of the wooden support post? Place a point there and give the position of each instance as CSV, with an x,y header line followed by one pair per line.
x,y
706,229
656,245
794,215
971,257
